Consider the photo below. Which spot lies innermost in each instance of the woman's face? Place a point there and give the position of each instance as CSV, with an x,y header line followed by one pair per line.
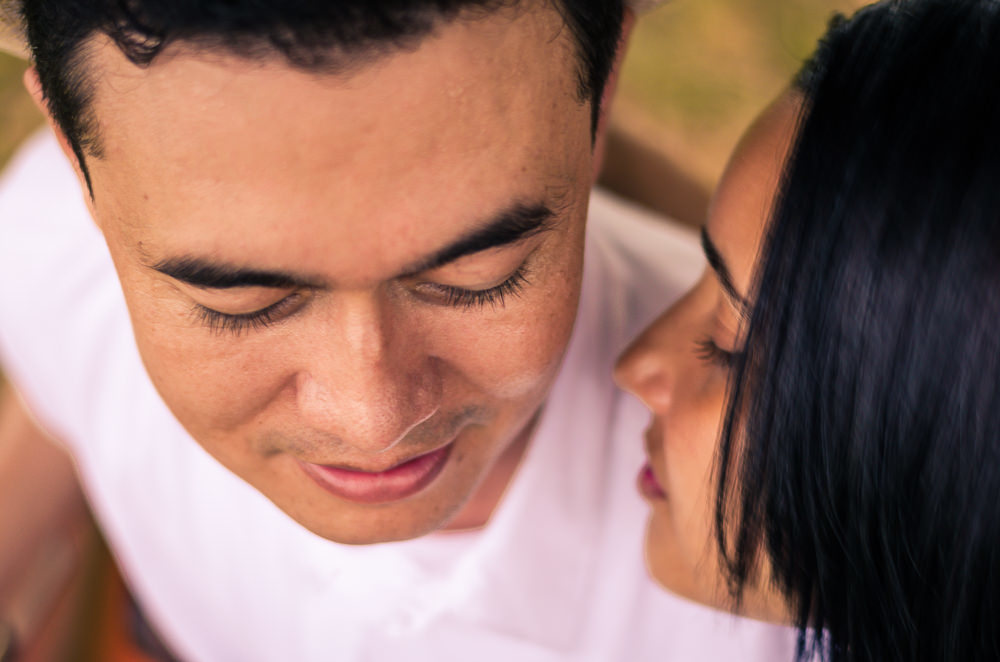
x,y
678,368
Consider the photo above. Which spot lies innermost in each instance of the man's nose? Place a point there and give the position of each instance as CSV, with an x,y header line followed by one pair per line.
x,y
643,370
370,382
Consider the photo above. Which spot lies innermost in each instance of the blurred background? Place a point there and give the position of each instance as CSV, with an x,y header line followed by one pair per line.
x,y
696,73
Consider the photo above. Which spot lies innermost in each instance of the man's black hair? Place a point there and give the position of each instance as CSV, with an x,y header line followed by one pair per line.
x,y
861,450
310,34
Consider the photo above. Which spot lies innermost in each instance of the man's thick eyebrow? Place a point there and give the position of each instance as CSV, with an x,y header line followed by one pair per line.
x,y
512,224
203,273
722,271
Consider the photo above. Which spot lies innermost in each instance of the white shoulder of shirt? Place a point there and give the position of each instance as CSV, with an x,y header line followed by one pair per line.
x,y
61,308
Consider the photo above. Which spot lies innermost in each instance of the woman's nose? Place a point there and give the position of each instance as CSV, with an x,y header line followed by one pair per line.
x,y
643,369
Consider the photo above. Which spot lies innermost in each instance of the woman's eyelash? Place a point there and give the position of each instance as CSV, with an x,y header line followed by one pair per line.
x,y
495,296
711,353
237,324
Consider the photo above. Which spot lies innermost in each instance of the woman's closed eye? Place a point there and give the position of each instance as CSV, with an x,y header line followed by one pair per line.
x,y
709,351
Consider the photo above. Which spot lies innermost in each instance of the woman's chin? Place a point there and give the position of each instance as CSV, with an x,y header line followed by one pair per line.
x,y
667,563
671,567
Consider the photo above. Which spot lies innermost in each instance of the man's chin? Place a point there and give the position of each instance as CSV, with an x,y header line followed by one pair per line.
x,y
392,523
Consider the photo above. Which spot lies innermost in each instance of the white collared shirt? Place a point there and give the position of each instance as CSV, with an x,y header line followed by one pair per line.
x,y
224,575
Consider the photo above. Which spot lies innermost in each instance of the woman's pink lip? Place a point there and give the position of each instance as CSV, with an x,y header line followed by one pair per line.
x,y
648,486
402,481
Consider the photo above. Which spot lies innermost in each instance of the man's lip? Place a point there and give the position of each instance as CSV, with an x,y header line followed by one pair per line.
x,y
394,484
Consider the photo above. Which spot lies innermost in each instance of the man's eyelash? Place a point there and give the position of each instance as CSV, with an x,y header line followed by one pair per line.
x,y
711,353
454,296
237,324
494,297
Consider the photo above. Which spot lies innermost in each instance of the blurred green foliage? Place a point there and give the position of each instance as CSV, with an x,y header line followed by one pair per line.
x,y
698,71
18,116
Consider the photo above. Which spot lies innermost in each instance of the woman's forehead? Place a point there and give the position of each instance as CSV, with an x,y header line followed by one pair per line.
x,y
746,194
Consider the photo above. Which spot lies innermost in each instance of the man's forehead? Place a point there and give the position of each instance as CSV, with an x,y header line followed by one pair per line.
x,y
466,74
523,37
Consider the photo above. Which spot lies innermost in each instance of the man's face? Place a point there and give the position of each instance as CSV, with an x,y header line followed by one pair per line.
x,y
353,291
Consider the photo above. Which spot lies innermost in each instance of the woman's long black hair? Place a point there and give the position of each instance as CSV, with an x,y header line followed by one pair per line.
x,y
860,455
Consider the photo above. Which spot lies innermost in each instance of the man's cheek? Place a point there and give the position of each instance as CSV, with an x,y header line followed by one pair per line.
x,y
511,363
209,389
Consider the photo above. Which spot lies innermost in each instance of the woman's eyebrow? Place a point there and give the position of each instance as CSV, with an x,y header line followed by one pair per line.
x,y
722,271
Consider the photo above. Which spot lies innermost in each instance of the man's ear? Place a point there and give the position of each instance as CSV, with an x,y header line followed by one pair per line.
x,y
34,87
628,23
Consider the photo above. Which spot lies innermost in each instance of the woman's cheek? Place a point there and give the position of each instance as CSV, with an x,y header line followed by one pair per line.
x,y
690,443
